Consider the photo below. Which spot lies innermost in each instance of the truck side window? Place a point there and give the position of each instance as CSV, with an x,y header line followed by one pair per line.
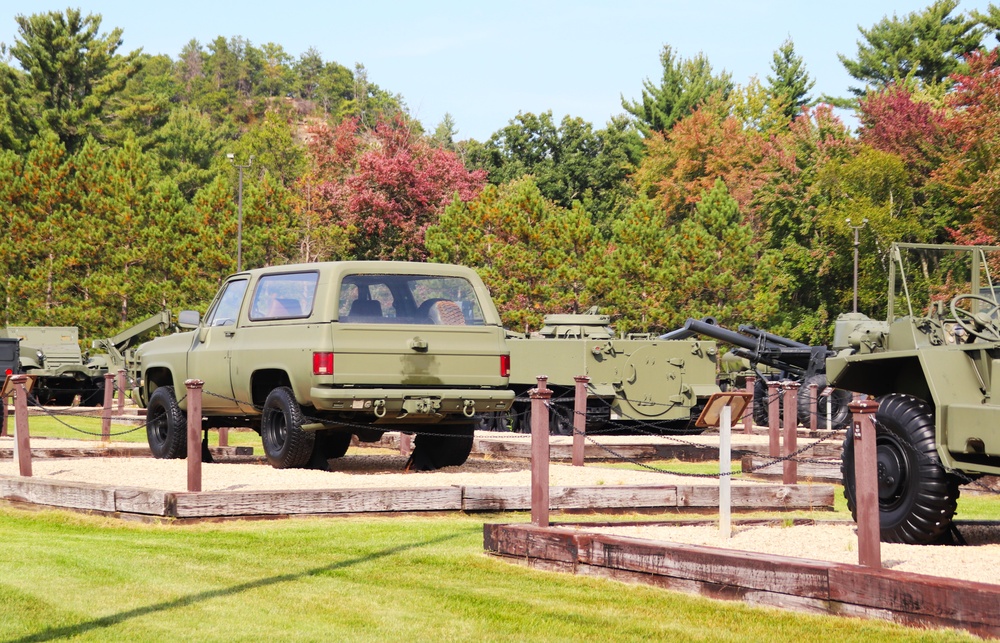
x,y
227,307
284,296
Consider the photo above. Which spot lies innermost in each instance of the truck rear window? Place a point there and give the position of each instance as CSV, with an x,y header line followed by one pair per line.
x,y
409,299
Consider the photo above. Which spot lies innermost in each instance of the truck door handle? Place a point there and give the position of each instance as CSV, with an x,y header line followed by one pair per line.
x,y
230,333
418,344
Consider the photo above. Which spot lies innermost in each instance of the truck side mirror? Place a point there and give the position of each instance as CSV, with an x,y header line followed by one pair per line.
x,y
188,319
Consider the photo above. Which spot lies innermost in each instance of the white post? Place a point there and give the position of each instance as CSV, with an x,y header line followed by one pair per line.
x,y
829,411
725,467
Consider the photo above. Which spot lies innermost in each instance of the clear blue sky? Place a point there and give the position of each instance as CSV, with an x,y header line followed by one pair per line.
x,y
483,62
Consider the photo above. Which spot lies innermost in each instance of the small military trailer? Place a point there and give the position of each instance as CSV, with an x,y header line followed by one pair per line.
x,y
311,354
935,371
636,382
62,371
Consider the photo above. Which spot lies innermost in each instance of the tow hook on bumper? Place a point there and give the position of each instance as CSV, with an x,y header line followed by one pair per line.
x,y
421,406
469,408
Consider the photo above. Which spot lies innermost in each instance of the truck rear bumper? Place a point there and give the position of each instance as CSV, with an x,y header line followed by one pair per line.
x,y
411,403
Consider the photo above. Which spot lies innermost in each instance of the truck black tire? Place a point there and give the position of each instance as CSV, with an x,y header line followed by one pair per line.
x,y
444,446
840,415
286,445
333,444
916,496
166,425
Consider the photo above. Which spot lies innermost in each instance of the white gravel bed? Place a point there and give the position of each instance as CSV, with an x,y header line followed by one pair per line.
x,y
980,561
352,471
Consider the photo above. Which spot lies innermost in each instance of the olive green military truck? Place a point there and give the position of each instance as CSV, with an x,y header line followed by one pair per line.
x,y
311,354
935,369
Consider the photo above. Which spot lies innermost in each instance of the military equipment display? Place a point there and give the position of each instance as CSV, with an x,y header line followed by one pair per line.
x,y
52,354
784,359
311,354
935,370
635,380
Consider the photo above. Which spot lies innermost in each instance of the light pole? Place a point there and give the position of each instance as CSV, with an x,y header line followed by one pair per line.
x,y
857,242
239,209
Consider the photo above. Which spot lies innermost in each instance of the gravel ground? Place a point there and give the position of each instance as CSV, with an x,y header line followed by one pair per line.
x,y
980,561
356,470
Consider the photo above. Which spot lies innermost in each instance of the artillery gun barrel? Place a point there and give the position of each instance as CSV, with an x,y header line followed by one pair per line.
x,y
711,329
770,337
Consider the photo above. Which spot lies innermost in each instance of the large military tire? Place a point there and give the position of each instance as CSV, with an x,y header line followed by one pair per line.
x,y
442,446
761,403
286,445
916,497
166,425
840,415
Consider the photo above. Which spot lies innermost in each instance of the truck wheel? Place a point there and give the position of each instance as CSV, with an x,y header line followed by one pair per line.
x,y
446,446
916,497
286,445
839,399
166,425
333,444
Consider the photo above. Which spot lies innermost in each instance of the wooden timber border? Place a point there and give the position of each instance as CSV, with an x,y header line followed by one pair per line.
x,y
156,503
906,598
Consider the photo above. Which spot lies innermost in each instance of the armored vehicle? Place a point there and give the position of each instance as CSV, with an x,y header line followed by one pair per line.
x,y
52,354
635,381
311,354
935,371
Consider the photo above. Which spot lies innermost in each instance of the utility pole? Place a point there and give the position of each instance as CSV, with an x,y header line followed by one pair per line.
x,y
857,242
239,208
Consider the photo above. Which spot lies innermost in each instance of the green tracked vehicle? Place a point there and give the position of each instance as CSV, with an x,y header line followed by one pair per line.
x,y
935,371
636,381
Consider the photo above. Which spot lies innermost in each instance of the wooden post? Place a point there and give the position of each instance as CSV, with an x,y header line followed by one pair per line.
x,y
121,391
405,444
109,389
3,425
540,452
790,468
748,411
194,433
814,407
22,439
725,467
223,436
866,482
773,419
580,419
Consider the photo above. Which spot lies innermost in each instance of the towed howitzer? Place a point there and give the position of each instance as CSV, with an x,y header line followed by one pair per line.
x,y
792,360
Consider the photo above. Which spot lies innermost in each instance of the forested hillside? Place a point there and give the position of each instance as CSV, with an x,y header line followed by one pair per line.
x,y
708,195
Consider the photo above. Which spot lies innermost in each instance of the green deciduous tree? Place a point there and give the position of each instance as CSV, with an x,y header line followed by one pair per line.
x,y
536,257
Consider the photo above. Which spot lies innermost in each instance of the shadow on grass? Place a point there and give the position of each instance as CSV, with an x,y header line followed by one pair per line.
x,y
114,619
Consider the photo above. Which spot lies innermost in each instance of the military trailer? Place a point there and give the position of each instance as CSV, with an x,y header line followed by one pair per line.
x,y
636,382
52,354
935,371
311,354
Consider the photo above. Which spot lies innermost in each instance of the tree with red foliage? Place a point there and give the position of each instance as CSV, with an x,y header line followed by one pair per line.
x,y
384,186
892,121
970,175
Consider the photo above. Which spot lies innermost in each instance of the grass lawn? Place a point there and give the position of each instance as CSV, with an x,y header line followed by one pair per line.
x,y
85,424
67,575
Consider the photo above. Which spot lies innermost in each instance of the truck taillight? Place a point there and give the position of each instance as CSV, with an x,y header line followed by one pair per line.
x,y
505,366
322,363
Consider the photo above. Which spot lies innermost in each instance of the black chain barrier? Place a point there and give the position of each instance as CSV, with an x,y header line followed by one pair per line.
x,y
640,425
